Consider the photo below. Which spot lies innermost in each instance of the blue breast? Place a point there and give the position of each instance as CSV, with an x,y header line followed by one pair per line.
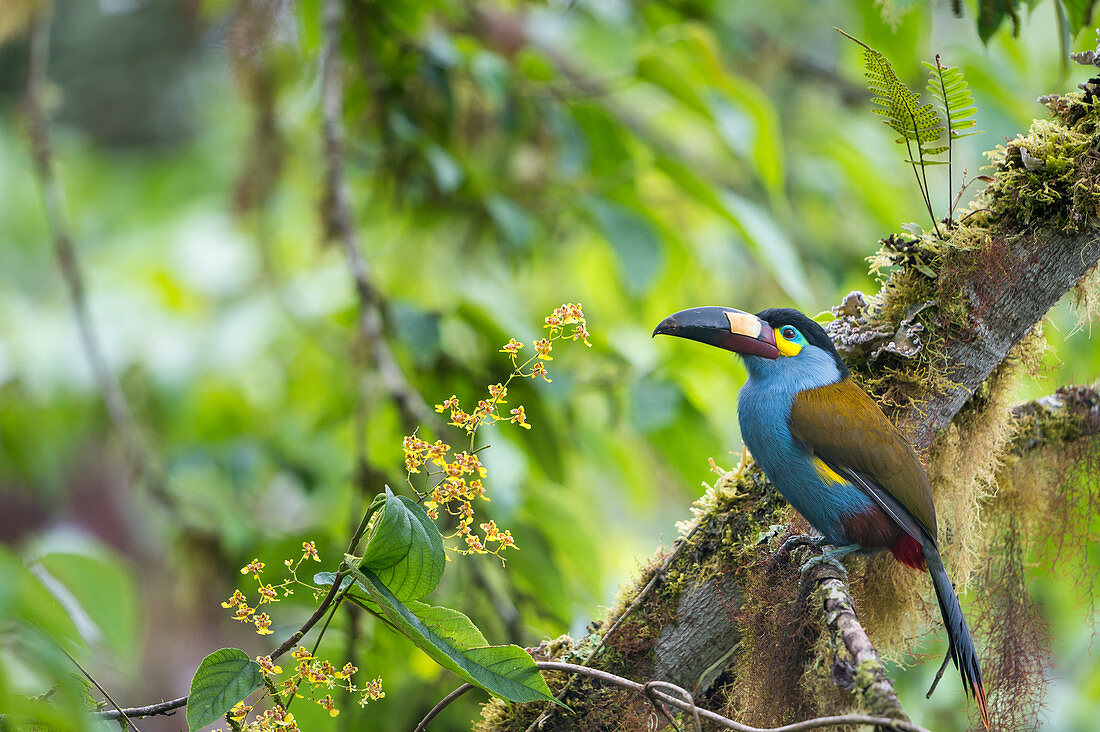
x,y
763,410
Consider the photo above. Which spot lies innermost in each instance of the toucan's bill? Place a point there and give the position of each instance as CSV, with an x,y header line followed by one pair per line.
x,y
733,330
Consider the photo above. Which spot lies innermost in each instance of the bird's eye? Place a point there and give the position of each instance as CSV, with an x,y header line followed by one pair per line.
x,y
789,333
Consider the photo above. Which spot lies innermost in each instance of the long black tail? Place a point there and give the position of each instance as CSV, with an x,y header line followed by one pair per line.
x,y
958,635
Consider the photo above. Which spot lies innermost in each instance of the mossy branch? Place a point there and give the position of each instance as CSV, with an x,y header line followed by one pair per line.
x,y
941,327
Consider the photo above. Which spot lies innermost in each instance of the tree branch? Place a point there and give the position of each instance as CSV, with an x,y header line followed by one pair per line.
x,y
142,463
340,224
997,278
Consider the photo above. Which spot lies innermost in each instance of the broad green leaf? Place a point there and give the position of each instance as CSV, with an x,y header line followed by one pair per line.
x,y
102,588
405,549
506,671
991,13
23,597
658,69
225,677
391,537
451,625
635,241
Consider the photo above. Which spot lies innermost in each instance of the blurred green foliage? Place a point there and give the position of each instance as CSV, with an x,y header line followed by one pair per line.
x,y
637,158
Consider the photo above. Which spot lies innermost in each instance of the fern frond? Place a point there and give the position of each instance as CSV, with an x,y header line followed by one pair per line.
x,y
952,94
919,125
901,108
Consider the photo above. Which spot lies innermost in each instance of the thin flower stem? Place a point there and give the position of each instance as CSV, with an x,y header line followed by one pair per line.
x,y
167,707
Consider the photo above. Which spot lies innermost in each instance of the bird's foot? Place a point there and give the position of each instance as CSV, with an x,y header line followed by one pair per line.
x,y
797,540
833,557
825,558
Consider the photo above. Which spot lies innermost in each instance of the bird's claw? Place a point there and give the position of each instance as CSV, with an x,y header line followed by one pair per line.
x,y
798,540
825,558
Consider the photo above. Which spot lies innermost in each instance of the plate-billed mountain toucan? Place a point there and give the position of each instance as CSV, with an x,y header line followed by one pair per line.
x,y
831,452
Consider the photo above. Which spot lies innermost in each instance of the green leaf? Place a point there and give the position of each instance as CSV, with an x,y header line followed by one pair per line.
x,y
23,597
390,537
446,170
405,549
1078,13
901,107
635,241
101,593
453,641
952,95
225,677
451,625
991,13
658,70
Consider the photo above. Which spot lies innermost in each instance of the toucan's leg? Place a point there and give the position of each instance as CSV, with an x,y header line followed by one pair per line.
x,y
833,557
798,540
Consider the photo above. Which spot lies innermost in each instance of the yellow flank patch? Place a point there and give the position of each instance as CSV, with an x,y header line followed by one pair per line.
x,y
827,474
786,347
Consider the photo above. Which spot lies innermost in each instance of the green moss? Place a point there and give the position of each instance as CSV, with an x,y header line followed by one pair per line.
x,y
1048,177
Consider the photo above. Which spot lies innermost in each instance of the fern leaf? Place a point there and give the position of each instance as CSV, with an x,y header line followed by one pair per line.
x,y
948,87
901,108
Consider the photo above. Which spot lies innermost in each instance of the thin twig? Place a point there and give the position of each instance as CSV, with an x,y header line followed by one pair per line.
x,y
340,222
152,710
168,706
687,696
653,581
650,691
833,721
103,691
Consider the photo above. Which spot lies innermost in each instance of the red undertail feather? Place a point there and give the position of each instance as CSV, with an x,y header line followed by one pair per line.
x,y
908,551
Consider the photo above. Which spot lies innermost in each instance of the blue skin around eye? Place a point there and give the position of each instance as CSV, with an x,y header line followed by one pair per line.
x,y
795,336
763,411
